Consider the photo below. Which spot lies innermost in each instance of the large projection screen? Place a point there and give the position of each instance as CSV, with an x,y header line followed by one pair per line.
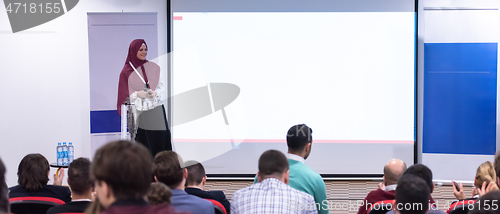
x,y
244,72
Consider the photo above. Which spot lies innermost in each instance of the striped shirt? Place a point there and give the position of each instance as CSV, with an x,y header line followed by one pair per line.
x,y
272,196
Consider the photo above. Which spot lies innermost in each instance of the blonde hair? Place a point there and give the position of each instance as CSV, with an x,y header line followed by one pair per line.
x,y
485,173
95,207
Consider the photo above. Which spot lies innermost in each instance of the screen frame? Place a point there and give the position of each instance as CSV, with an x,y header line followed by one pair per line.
x,y
416,147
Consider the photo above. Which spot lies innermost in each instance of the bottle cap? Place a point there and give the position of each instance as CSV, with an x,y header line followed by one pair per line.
x,y
70,143
59,143
64,143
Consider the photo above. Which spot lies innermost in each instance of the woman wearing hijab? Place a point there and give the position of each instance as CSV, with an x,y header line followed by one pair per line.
x,y
141,85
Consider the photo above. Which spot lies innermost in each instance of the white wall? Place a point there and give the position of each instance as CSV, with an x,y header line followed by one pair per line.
x,y
44,81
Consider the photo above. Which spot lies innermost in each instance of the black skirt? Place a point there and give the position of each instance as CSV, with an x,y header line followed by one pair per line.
x,y
153,131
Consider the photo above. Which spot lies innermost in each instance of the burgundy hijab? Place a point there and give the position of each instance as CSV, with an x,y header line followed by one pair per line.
x,y
123,89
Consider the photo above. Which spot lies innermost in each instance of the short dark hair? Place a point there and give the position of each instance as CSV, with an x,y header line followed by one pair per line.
x,y
298,137
487,204
272,162
196,173
125,166
33,172
412,195
79,176
159,193
423,172
167,168
2,171
4,190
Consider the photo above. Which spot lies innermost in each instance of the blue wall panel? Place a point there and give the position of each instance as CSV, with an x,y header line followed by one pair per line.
x,y
460,90
105,121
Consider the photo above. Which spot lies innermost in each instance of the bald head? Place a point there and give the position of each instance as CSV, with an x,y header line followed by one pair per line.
x,y
393,171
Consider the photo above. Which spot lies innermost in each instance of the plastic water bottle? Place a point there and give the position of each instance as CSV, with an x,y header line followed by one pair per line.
x,y
65,153
59,154
71,153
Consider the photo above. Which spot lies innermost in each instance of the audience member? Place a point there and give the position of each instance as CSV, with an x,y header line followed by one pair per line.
x,y
81,188
302,177
33,176
422,171
496,163
272,194
167,169
4,197
392,172
122,173
412,195
159,193
485,173
487,204
195,184
497,167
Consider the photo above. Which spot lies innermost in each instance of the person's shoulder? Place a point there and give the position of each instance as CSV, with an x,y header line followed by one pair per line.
x,y
200,193
151,64
190,190
301,193
201,203
297,164
72,207
15,188
17,191
305,170
315,175
197,199
312,173
56,188
217,194
312,176
377,191
245,190
251,187
60,192
216,191
379,195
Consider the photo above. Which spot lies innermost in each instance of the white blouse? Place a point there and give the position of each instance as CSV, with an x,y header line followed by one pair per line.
x,y
145,104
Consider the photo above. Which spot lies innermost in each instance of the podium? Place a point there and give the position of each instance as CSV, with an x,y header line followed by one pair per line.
x,y
128,122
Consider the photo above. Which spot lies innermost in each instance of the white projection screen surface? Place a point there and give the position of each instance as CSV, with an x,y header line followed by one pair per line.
x,y
244,72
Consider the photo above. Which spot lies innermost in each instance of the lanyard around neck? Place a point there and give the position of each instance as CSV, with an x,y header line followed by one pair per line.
x,y
137,72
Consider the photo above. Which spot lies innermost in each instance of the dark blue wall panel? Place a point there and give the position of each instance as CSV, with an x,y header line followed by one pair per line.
x,y
460,90
105,121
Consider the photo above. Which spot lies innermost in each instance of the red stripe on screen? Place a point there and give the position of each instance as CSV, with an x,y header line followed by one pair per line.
x,y
284,141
